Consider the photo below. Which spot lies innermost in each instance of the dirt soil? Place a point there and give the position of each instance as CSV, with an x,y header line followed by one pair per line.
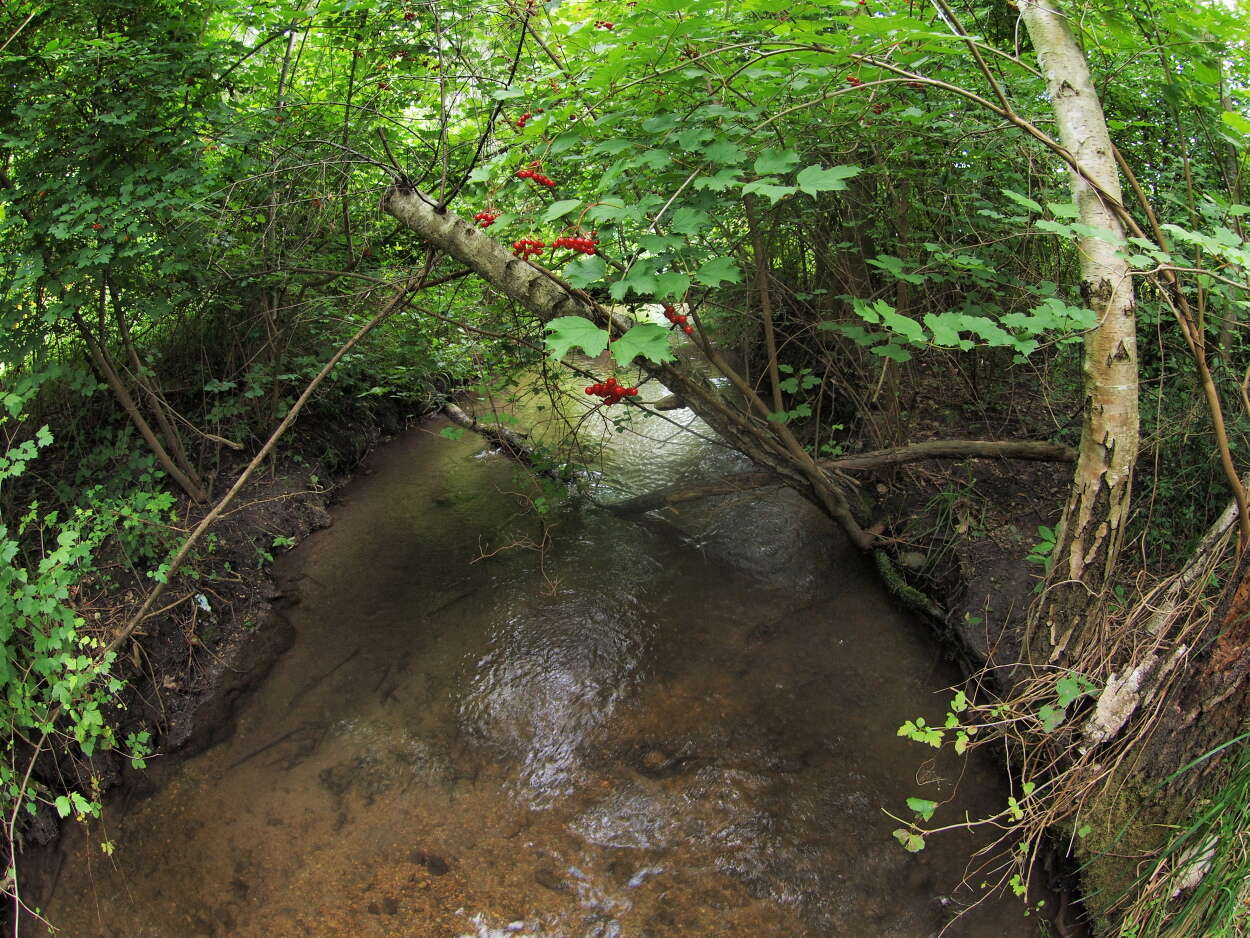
x,y
962,529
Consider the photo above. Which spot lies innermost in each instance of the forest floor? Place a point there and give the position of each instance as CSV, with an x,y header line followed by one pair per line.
x,y
962,530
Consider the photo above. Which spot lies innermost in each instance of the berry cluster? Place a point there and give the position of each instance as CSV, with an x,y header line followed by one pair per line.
x,y
604,24
485,219
525,248
585,245
537,177
879,107
919,85
523,120
678,319
853,81
611,391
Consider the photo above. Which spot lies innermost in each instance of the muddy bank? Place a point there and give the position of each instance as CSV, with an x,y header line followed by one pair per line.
x,y
222,628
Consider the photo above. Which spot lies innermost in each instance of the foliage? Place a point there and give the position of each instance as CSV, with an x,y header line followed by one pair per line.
x,y
188,197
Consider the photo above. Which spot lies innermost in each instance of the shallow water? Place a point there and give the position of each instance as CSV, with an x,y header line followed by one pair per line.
x,y
586,727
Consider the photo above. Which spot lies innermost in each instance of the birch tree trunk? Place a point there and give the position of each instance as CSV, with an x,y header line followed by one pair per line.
x,y
1094,518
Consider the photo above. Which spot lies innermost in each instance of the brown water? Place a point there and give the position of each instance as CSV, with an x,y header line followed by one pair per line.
x,y
674,728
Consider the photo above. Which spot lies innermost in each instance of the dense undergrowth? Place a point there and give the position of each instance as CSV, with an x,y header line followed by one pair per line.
x,y
843,199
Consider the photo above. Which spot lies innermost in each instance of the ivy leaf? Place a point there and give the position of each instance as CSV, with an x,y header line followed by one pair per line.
x,y
1051,717
575,332
717,271
816,179
922,806
776,161
648,340
1070,687
912,843
560,209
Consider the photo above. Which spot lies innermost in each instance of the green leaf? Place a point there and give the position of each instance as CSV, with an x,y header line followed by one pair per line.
x,y
768,186
902,325
660,244
585,270
1237,122
912,842
560,209
646,340
893,352
719,182
923,807
816,179
775,161
671,286
1051,717
725,152
689,221
63,807
1054,227
569,332
894,266
1023,200
717,271
452,433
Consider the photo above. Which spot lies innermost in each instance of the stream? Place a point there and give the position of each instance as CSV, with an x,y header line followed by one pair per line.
x,y
572,725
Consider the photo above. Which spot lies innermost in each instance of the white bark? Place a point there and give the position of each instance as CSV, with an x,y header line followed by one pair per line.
x,y
1095,515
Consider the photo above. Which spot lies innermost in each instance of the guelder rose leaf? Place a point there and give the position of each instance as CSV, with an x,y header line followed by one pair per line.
x,y
717,271
575,332
584,271
647,340
816,179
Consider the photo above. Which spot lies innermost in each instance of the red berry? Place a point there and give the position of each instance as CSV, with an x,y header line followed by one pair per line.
x,y
96,226
689,330
410,16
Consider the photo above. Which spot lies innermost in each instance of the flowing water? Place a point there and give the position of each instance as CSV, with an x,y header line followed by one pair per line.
x,y
588,727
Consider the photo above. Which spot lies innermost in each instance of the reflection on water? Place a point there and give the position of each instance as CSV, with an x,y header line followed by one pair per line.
x,y
678,728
